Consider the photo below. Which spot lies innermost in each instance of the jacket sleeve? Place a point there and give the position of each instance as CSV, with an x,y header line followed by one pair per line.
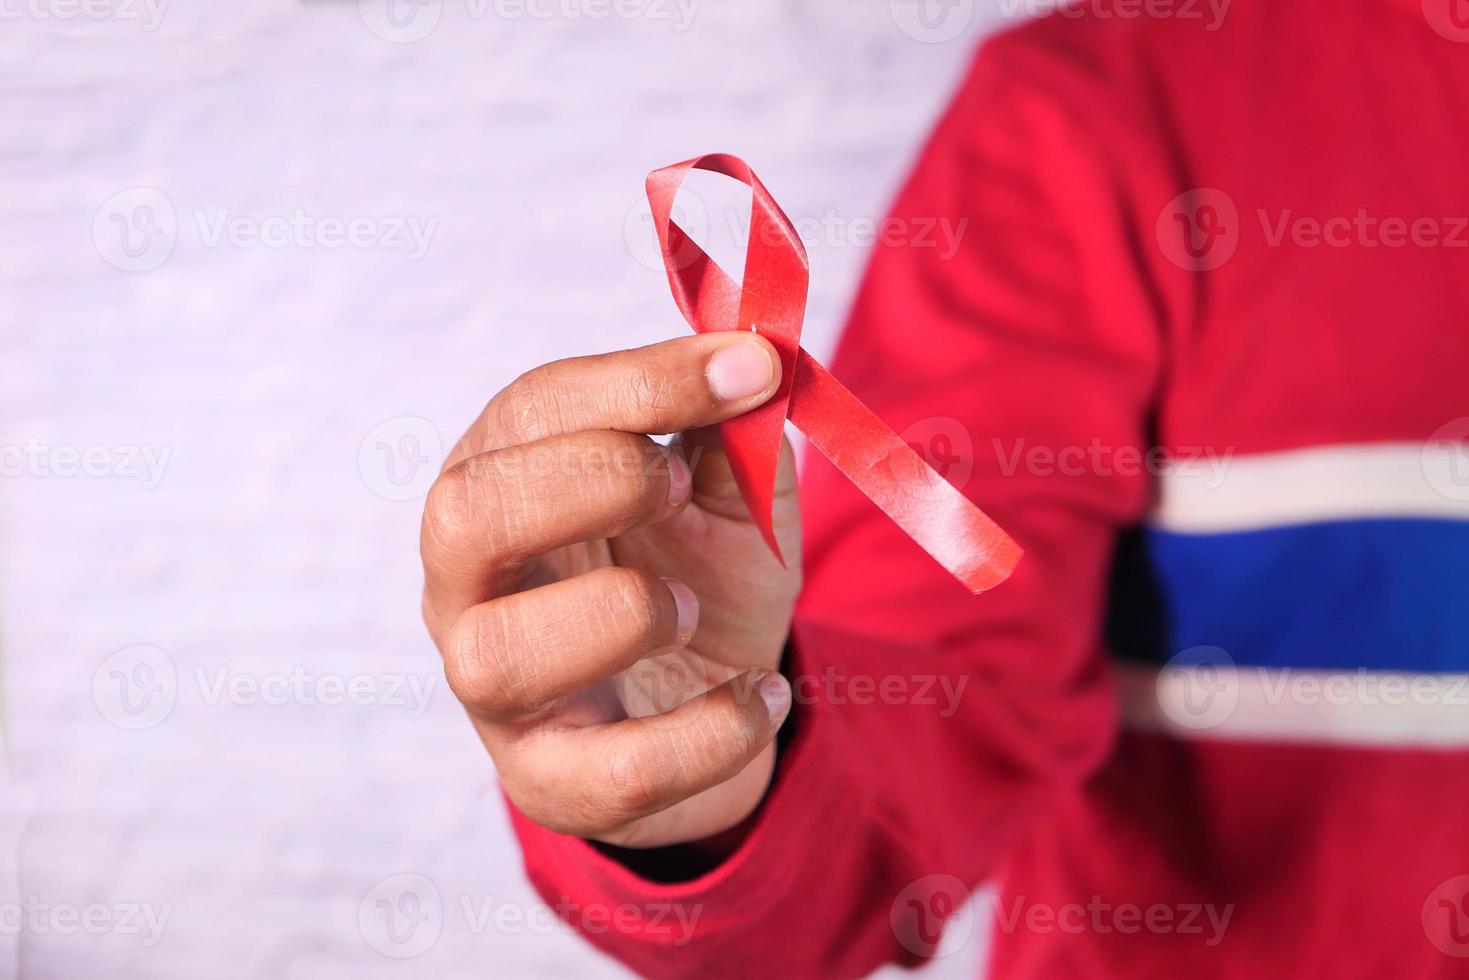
x,y
1005,328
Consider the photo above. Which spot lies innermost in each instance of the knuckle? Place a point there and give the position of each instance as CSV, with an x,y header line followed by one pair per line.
x,y
486,667
547,800
518,412
568,800
621,470
737,741
470,666
635,788
522,792
635,599
465,513
653,396
448,511
717,739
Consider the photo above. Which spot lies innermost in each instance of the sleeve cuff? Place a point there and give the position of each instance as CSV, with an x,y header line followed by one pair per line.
x,y
806,802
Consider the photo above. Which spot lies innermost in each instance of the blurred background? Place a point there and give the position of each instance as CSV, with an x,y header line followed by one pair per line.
x,y
263,263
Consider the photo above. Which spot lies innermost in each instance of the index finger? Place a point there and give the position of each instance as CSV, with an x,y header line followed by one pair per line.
x,y
678,384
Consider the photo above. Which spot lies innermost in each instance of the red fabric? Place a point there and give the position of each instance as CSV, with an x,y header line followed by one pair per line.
x,y
1061,321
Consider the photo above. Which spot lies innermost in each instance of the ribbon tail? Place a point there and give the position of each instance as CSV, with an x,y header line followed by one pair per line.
x,y
745,440
944,522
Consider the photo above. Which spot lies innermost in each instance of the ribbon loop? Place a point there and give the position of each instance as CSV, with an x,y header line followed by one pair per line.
x,y
772,302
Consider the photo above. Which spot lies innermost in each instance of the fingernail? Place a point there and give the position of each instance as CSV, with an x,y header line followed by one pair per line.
x,y
776,694
739,371
680,479
688,609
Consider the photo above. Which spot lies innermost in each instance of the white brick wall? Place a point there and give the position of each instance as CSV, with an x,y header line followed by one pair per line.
x,y
261,551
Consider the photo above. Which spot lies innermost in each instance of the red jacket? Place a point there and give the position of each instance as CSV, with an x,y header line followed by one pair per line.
x,y
1239,244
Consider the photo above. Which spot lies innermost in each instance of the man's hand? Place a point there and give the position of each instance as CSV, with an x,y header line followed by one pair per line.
x,y
607,611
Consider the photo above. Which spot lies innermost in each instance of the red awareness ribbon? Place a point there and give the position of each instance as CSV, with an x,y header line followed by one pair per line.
x,y
772,303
